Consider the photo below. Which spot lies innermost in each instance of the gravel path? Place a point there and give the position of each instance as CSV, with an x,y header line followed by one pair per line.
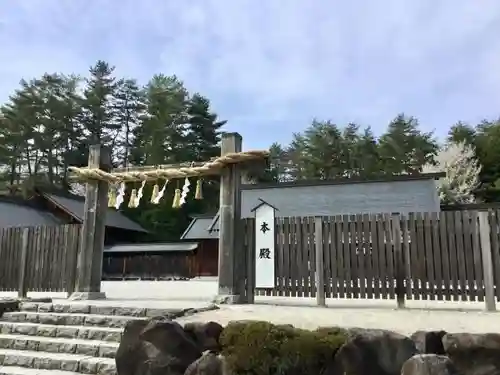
x,y
301,312
403,321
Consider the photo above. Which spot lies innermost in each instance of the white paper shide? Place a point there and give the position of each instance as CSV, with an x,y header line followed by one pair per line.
x,y
264,242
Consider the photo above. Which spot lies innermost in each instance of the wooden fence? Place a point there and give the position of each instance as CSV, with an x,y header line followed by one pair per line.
x,y
39,259
436,256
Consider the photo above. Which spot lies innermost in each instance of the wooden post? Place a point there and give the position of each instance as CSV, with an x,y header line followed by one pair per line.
x,y
90,253
398,260
22,290
320,269
489,282
231,256
250,254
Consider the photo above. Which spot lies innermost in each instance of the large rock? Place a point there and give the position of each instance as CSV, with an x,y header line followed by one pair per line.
x,y
206,335
374,352
155,347
429,342
7,305
210,363
474,354
429,364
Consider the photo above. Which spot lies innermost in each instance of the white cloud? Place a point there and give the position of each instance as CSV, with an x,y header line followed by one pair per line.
x,y
275,65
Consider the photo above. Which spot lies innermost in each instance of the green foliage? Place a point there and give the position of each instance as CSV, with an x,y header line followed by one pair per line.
x,y
262,348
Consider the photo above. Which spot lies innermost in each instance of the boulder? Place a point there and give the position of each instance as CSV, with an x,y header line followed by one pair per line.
x,y
7,305
429,342
210,363
474,354
206,335
374,352
429,364
155,347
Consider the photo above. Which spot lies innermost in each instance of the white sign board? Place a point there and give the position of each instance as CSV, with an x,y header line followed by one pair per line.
x,y
264,242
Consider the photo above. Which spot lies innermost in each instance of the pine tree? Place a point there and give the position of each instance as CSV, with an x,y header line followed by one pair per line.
x,y
404,149
203,129
97,119
129,108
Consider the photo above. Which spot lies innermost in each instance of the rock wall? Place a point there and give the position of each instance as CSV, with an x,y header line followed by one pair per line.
x,y
162,346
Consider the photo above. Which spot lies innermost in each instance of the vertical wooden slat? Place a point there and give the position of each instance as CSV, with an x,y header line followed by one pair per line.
x,y
306,258
405,245
462,276
319,265
46,258
29,261
58,257
489,282
445,255
294,261
399,267
286,255
62,256
66,234
422,255
346,250
476,251
389,251
9,270
469,255
311,230
336,229
3,255
328,258
279,276
16,256
22,291
250,284
429,257
437,252
298,254
302,257
36,260
375,248
414,270
51,253
381,249
452,251
360,256
495,247
354,282
367,253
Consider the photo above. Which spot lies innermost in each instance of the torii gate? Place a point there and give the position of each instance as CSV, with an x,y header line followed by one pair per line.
x,y
99,174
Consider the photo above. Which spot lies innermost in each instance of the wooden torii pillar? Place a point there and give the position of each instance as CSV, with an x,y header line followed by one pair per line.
x,y
231,256
91,250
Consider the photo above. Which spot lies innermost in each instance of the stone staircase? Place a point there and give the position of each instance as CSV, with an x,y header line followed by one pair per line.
x,y
65,339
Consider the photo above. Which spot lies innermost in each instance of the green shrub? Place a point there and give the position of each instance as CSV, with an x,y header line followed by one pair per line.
x,y
262,348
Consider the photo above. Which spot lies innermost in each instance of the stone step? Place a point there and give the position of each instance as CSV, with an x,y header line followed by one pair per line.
x,y
14,370
93,348
58,361
81,308
63,331
69,319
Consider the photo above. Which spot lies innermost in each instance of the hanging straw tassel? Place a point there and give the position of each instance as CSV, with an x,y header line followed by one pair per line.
x,y
177,199
111,197
139,193
133,198
199,193
154,194
121,195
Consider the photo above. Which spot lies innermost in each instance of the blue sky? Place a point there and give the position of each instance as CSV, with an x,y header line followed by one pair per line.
x,y
269,67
